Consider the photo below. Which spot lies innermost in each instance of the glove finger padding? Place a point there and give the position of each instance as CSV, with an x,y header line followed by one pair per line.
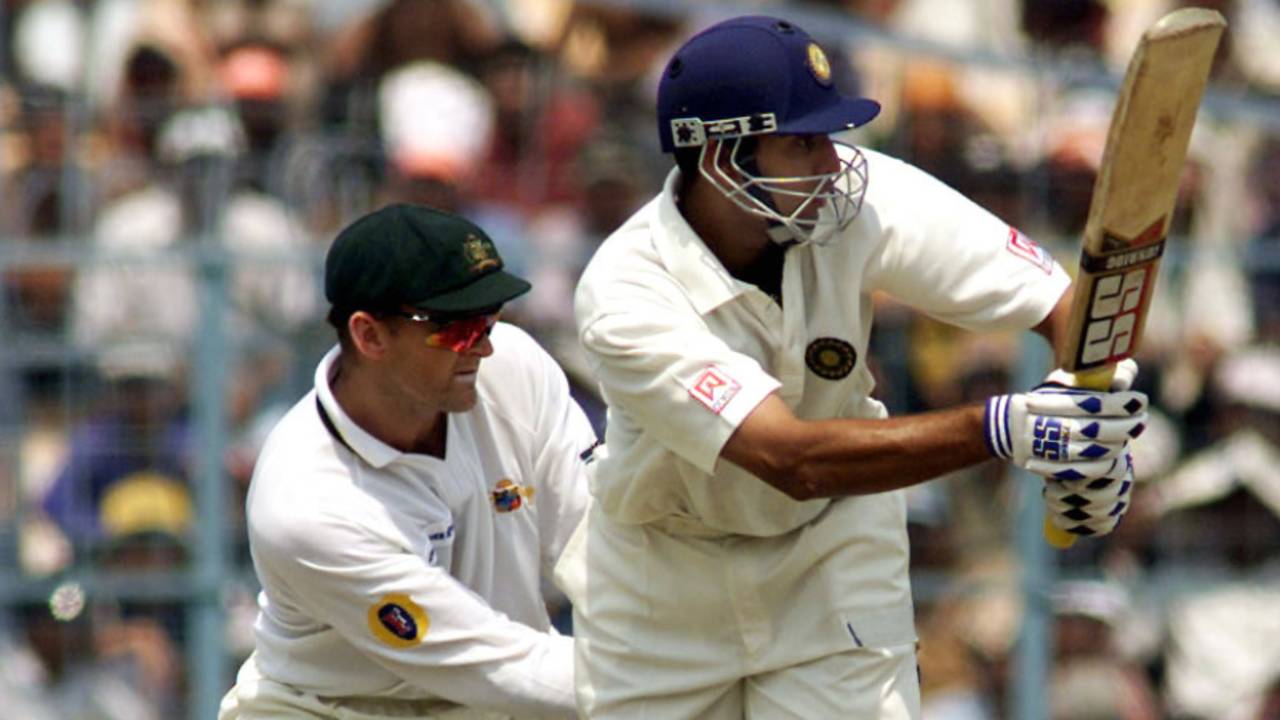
x,y
1122,378
1070,402
1062,432
1074,469
1091,507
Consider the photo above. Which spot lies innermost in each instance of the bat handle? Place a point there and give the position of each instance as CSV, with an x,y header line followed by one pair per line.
x,y
1056,536
1095,379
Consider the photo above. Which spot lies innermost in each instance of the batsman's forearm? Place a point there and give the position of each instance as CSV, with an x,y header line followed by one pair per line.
x,y
858,457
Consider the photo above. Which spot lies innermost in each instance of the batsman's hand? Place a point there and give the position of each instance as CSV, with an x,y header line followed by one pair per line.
x,y
1091,507
1064,433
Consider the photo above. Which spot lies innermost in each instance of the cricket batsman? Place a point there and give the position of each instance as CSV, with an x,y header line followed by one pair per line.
x,y
747,553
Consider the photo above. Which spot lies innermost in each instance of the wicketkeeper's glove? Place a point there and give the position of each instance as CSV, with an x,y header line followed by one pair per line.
x,y
1091,507
1064,433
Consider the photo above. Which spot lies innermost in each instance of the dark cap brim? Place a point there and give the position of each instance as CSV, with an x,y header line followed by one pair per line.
x,y
842,115
491,290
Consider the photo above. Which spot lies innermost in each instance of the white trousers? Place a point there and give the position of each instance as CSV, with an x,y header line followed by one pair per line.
x,y
867,684
258,698
668,627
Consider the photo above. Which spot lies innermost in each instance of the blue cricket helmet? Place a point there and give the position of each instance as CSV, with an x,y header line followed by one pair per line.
x,y
748,76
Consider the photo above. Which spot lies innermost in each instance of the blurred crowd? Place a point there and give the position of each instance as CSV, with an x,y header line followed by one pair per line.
x,y
159,158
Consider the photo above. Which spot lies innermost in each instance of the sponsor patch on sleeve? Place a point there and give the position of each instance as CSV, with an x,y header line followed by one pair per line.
x,y
714,388
1029,250
398,621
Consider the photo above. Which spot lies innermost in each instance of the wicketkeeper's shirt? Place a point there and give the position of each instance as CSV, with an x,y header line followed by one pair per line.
x,y
399,575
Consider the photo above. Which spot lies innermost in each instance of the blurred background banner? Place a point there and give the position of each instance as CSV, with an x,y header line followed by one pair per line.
x,y
171,172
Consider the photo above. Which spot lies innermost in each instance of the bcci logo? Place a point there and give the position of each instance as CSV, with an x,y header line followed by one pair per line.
x,y
830,358
819,66
1049,439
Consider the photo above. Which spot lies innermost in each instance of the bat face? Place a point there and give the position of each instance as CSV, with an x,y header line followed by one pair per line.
x,y
1133,199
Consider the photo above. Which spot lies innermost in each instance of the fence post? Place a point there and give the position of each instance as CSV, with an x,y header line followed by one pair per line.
x,y
206,651
1033,652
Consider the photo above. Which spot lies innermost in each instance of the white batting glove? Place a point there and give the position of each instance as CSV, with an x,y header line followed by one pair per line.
x,y
1091,507
1064,433
1125,374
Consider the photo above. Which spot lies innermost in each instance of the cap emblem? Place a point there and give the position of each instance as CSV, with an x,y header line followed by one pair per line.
x,y
481,254
819,65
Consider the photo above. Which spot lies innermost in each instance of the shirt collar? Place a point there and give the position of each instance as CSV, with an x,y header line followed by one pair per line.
x,y
688,258
369,448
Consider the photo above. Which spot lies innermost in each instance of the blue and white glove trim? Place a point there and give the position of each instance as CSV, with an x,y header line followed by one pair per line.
x,y
1063,433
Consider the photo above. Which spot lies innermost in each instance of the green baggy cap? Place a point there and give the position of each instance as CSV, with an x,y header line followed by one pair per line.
x,y
417,256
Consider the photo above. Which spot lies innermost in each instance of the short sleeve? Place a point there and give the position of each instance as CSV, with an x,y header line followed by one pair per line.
x,y
953,260
660,364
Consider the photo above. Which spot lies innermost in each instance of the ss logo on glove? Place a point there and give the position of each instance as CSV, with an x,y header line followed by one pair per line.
x,y
1050,439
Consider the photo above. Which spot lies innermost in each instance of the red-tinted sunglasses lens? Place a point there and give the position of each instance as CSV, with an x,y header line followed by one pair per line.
x,y
461,335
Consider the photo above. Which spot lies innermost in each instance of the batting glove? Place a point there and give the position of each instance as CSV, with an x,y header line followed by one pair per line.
x,y
1091,507
1064,433
1126,372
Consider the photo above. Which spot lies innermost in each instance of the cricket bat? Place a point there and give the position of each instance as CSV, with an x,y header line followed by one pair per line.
x,y
1134,197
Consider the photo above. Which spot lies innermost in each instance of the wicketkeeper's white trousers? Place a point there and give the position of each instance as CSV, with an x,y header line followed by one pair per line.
x,y
255,697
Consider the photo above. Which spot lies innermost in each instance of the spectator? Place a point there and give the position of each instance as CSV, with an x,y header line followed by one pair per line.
x,y
1218,527
37,208
456,33
87,663
140,434
610,175
1064,25
1262,253
190,198
257,76
540,126
1092,679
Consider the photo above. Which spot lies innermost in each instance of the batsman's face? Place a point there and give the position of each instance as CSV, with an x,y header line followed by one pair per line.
x,y
435,378
798,156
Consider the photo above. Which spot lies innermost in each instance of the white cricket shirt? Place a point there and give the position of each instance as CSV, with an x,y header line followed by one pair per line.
x,y
684,352
399,575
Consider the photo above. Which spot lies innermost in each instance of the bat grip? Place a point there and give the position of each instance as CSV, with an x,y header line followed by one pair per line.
x,y
1095,379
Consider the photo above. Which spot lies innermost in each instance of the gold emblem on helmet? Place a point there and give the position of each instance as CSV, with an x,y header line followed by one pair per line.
x,y
819,65
480,253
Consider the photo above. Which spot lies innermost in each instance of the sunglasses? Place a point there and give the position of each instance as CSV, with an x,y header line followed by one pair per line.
x,y
458,335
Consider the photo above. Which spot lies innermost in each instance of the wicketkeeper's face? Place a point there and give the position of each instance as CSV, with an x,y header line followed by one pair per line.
x,y
435,364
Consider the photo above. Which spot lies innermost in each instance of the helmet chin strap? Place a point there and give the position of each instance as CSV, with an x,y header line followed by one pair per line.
x,y
781,234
